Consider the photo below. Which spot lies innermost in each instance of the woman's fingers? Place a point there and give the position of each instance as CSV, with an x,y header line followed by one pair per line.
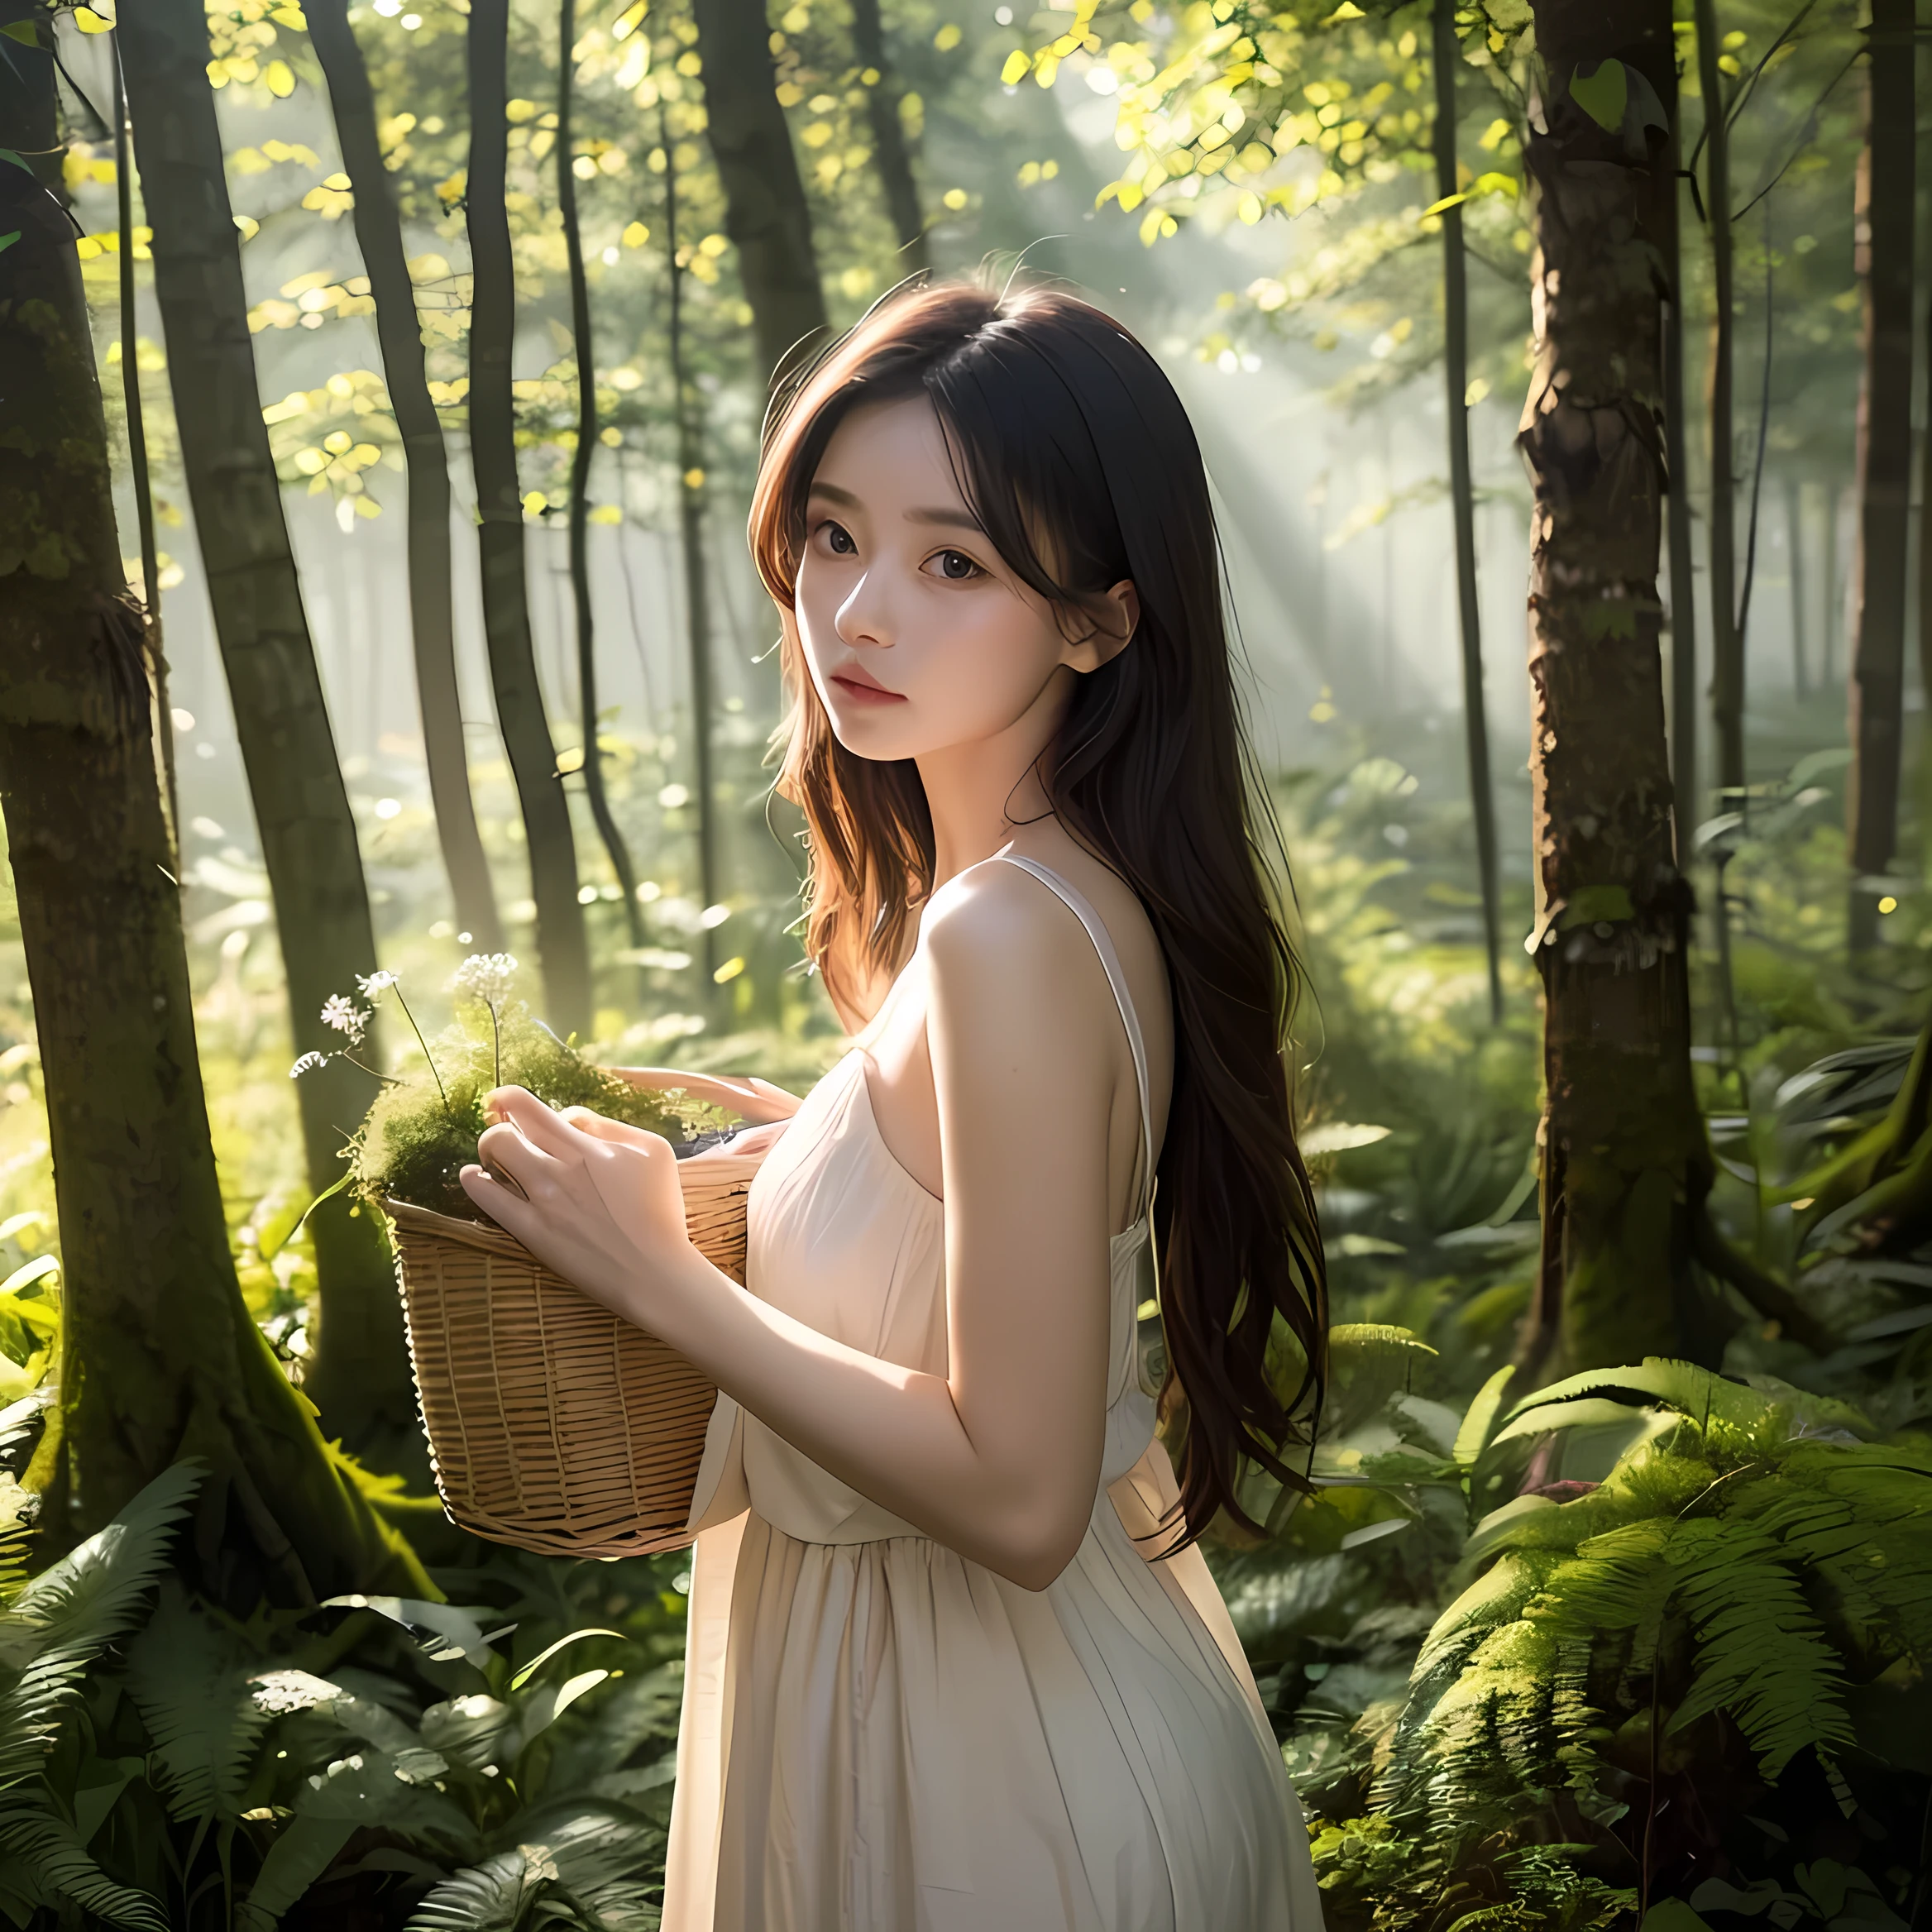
x,y
541,1125
755,1100
509,1154
601,1127
510,1210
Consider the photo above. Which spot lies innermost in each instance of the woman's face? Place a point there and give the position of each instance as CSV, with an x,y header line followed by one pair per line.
x,y
918,637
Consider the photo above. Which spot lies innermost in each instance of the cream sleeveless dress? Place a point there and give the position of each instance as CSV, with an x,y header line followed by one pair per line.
x,y
880,1736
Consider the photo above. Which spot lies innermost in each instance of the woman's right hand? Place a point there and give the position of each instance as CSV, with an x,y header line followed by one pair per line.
x,y
756,1102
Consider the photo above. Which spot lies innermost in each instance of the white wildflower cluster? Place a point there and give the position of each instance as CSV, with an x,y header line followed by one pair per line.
x,y
486,977
374,985
341,1012
307,1064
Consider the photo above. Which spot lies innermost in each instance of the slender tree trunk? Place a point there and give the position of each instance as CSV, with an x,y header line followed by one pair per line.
x,y
1682,618
1727,640
1882,229
697,610
580,478
1622,1137
562,945
1837,588
890,157
379,234
160,1358
1447,56
144,500
360,1376
765,213
1801,587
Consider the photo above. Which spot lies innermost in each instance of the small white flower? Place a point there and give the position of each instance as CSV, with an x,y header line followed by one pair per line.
x,y
486,977
307,1064
376,985
345,1016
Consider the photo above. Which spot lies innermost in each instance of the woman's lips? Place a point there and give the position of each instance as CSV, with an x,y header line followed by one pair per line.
x,y
863,689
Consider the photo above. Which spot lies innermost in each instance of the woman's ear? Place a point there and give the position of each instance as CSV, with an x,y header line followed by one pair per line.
x,y
1112,619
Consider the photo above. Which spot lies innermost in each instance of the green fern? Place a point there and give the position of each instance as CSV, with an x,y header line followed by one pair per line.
x,y
590,1855
50,1853
62,1621
305,1849
189,1687
1762,1654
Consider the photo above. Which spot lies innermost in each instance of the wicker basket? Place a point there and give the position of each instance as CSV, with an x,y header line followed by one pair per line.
x,y
553,1424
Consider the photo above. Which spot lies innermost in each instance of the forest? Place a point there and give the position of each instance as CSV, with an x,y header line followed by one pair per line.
x,y
380,387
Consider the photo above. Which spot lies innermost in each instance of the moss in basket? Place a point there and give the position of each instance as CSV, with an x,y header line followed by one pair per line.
x,y
422,1131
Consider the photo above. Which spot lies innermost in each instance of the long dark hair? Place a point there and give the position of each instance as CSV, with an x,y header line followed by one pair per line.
x,y
1067,437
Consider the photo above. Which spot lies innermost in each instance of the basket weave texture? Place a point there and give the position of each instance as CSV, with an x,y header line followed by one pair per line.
x,y
553,1424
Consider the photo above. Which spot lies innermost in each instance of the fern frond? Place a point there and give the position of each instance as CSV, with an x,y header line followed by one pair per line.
x,y
305,1849
50,1852
69,1613
1762,1652
593,1853
189,1686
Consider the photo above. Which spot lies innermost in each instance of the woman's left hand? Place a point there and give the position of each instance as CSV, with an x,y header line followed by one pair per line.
x,y
597,1201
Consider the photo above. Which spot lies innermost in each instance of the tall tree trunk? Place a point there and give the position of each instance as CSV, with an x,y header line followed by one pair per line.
x,y
697,610
161,1360
893,163
580,478
765,211
360,1376
1727,640
1882,230
562,945
379,234
1682,617
144,500
1447,59
1800,588
1626,1168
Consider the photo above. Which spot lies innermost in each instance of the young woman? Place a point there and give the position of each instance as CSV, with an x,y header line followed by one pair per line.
x,y
954,1663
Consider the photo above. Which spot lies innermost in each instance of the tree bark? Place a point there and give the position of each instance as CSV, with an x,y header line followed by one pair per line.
x,y
379,234
1882,232
697,610
890,156
1682,617
562,946
1624,1161
580,479
766,214
1447,59
160,1358
361,1376
1727,640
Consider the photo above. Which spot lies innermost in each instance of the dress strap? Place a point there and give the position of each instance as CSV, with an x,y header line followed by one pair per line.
x,y
1077,903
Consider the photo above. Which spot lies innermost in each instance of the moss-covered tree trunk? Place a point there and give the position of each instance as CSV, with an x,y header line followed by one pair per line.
x,y
891,157
765,210
1882,230
379,234
563,944
1622,1141
360,1377
160,1358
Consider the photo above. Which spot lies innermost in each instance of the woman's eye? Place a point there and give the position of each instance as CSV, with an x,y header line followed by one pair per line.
x,y
955,565
839,540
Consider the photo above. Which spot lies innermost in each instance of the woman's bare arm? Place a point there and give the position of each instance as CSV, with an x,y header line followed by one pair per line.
x,y
753,1100
1000,1457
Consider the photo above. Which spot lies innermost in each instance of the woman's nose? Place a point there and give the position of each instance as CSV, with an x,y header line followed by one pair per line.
x,y
862,618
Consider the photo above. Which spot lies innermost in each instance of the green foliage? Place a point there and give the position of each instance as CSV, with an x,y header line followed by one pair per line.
x,y
422,1130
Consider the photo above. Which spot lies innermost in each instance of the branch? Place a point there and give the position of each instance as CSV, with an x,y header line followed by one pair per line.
x,y
1762,1289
